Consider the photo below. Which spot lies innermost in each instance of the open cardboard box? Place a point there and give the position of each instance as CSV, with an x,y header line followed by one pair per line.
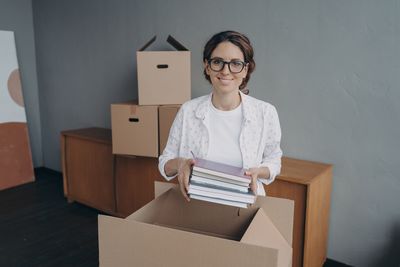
x,y
169,231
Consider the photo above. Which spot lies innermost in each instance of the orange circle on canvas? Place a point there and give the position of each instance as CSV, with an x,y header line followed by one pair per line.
x,y
15,88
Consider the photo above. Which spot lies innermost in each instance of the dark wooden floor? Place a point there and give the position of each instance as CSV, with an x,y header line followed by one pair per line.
x,y
39,228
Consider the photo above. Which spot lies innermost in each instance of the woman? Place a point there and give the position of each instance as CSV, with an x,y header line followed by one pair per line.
x,y
225,126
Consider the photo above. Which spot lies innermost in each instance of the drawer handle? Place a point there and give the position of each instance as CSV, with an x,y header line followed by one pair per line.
x,y
133,119
162,66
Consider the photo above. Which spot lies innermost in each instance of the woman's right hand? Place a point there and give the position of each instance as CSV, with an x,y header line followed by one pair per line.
x,y
184,169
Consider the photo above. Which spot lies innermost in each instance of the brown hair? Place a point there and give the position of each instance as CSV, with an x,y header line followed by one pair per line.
x,y
241,41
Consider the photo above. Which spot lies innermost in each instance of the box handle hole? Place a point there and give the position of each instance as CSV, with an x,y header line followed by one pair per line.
x,y
162,66
133,119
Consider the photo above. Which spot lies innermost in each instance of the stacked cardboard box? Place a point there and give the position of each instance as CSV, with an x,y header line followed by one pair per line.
x,y
141,128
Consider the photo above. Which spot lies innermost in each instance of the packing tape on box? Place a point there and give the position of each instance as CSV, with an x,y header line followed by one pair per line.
x,y
133,109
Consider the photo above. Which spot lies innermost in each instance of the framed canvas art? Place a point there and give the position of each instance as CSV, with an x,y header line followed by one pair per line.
x,y
16,165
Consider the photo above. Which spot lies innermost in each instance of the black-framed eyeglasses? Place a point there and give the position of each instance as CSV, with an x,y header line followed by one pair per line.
x,y
235,66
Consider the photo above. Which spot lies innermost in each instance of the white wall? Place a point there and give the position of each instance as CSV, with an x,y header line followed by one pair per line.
x,y
330,67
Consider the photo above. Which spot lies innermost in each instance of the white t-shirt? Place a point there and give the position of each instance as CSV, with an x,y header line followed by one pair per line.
x,y
224,130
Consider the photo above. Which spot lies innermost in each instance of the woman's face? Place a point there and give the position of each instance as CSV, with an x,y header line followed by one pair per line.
x,y
224,81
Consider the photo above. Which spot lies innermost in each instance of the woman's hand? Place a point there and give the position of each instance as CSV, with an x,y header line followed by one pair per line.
x,y
184,169
254,173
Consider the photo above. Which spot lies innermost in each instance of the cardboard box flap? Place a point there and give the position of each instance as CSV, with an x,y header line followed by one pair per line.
x,y
161,187
172,210
132,108
129,243
148,43
262,232
148,213
177,45
281,212
171,40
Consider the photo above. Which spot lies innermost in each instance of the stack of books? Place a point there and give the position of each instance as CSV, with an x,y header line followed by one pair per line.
x,y
220,183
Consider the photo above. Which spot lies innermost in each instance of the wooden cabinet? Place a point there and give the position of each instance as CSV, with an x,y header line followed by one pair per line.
x,y
134,180
87,164
116,184
309,185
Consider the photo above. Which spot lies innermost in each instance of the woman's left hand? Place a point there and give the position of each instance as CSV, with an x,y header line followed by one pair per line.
x,y
255,173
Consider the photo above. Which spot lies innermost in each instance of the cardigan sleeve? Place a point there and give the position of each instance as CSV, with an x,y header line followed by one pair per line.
x,y
171,150
272,153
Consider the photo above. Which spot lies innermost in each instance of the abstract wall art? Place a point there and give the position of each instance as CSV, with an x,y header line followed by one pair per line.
x,y
16,165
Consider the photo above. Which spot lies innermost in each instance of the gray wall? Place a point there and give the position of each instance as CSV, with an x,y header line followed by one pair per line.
x,y
330,67
16,16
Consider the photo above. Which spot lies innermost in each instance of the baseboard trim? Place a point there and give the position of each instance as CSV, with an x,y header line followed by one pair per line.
x,y
47,170
334,263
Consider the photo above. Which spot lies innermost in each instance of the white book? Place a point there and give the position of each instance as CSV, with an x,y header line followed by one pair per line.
x,y
221,170
222,179
207,181
220,196
220,201
222,191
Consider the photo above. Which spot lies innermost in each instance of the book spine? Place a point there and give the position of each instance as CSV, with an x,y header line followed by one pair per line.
x,y
221,174
222,179
208,181
222,191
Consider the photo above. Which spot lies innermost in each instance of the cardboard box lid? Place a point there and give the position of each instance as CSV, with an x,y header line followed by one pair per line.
x,y
127,102
171,40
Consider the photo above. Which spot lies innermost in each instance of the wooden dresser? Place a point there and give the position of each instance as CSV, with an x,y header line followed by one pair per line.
x,y
87,165
119,185
309,185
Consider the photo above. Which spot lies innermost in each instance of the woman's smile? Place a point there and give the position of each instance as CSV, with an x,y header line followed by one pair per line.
x,y
225,80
